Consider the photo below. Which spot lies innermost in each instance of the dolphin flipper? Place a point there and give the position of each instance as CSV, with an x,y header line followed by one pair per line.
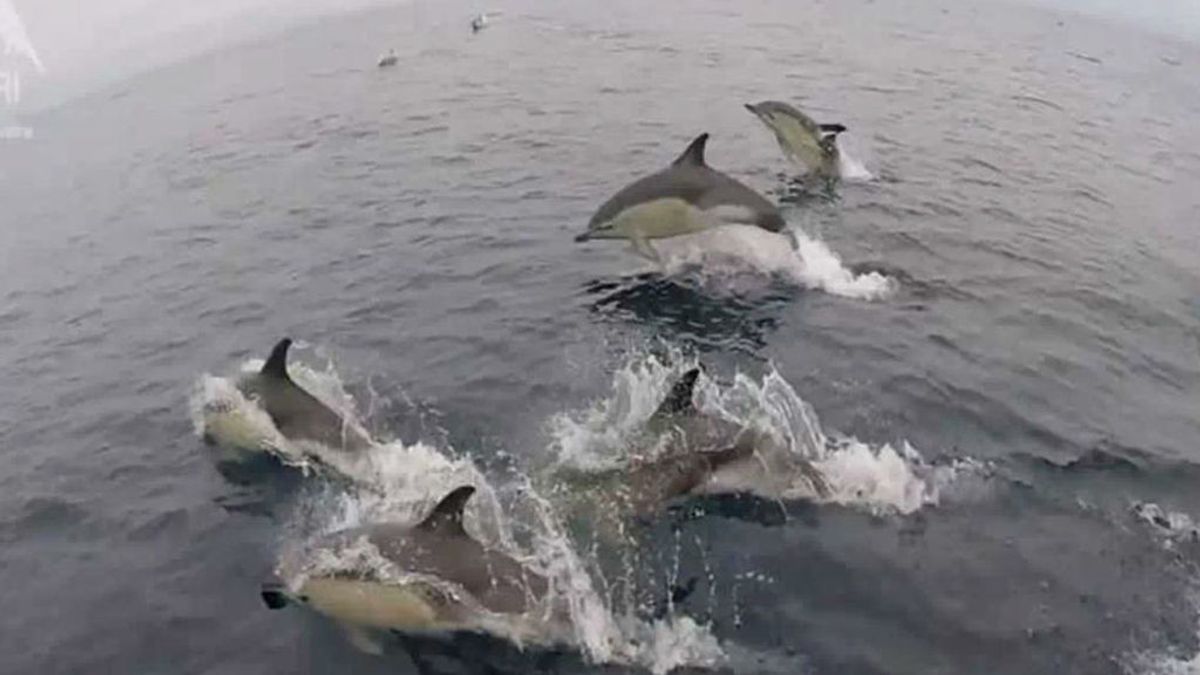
x,y
362,640
642,247
832,128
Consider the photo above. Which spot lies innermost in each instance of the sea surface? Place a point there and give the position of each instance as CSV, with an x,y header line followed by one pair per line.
x,y
988,337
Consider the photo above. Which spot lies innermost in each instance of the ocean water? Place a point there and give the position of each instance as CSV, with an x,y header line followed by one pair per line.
x,y
988,340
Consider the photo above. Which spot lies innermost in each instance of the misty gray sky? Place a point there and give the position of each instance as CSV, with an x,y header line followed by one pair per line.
x,y
84,43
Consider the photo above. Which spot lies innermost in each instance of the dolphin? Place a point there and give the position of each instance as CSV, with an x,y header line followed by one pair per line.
x,y
297,414
688,196
447,581
703,455
811,145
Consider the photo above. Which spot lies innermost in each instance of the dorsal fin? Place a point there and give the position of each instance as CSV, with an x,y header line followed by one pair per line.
x,y
447,516
694,155
679,399
276,365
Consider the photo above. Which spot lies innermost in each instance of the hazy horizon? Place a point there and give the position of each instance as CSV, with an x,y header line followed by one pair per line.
x,y
85,47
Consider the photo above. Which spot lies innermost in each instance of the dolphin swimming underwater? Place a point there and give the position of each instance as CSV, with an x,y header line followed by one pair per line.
x,y
297,414
446,581
811,145
686,197
702,455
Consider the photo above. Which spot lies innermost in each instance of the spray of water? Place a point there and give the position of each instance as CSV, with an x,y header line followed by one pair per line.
x,y
793,255
877,478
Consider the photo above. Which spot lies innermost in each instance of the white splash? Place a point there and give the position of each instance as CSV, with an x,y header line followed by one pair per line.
x,y
1171,527
851,168
1174,663
731,250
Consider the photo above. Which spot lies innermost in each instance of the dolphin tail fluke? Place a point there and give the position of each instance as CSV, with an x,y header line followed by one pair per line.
x,y
447,516
694,154
834,129
276,365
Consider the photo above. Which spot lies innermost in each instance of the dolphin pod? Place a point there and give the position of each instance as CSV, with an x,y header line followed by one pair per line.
x,y
438,578
686,197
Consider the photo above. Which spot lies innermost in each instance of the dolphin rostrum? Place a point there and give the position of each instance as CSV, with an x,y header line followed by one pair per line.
x,y
297,414
688,196
812,145
444,580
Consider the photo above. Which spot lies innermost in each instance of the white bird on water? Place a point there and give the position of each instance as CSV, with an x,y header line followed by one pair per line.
x,y
388,59
479,22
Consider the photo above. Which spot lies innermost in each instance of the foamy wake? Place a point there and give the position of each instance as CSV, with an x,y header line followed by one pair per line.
x,y
394,481
794,255
1151,663
877,478
1171,529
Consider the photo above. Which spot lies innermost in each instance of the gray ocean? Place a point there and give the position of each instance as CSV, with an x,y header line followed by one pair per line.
x,y
988,335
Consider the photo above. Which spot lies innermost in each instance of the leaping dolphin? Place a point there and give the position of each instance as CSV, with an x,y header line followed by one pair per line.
x,y
297,414
804,141
688,196
445,581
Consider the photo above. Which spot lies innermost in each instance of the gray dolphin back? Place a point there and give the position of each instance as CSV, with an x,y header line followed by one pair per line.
x,y
439,546
690,179
295,412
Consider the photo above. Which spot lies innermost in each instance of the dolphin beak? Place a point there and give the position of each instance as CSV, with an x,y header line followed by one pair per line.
x,y
751,108
274,595
583,236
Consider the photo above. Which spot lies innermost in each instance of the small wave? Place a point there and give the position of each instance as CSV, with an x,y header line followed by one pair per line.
x,y
727,251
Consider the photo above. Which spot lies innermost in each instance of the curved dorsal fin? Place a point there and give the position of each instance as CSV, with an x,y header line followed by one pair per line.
x,y
447,516
694,155
276,365
679,399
